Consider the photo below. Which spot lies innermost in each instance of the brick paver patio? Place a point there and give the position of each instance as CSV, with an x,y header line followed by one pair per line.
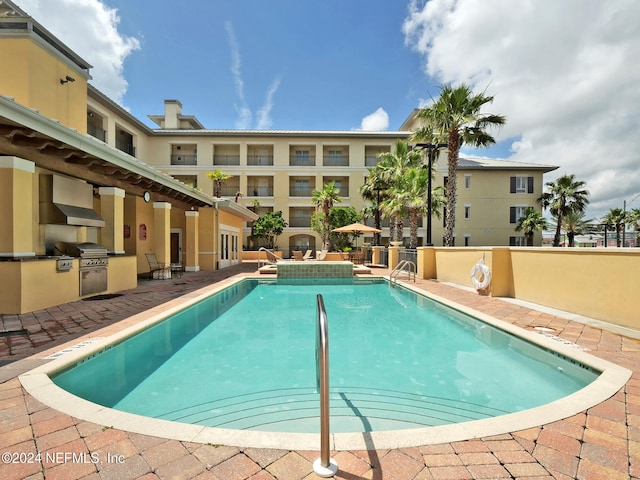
x,y
38,442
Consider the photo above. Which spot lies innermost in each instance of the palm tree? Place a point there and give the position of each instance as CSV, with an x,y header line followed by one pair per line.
x,y
374,190
532,222
634,220
564,196
455,118
390,172
218,177
574,224
618,218
325,199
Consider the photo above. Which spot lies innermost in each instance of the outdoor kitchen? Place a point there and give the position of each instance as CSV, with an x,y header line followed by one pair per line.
x,y
68,261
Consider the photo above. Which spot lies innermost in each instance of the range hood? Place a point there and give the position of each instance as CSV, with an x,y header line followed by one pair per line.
x,y
65,201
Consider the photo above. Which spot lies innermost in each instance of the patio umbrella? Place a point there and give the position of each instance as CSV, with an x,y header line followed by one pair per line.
x,y
356,228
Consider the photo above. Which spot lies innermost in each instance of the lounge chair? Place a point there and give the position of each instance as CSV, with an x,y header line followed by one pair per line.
x,y
308,255
272,258
297,256
321,255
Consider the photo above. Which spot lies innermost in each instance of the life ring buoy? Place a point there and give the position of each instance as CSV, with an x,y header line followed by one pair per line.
x,y
480,275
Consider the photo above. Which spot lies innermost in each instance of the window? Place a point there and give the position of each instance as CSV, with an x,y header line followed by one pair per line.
x,y
516,213
467,212
467,239
517,242
467,181
521,184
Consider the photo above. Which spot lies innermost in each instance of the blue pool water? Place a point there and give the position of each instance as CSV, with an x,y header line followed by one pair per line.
x,y
245,359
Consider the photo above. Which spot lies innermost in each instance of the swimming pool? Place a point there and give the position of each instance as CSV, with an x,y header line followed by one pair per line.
x,y
228,353
245,359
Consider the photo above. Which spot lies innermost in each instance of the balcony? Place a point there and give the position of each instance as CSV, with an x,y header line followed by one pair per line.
x,y
97,132
300,221
225,159
230,190
341,184
126,147
184,159
300,191
257,160
302,160
370,160
260,191
300,217
333,160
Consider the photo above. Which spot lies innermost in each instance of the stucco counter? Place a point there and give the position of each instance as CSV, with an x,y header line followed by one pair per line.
x,y
34,283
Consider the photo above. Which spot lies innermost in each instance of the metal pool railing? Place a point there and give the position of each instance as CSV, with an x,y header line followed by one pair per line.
x,y
324,466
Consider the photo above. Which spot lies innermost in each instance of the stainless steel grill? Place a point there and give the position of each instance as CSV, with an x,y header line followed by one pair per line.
x,y
93,265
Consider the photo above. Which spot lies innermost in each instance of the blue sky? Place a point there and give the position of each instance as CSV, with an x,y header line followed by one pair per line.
x,y
564,73
318,60
280,64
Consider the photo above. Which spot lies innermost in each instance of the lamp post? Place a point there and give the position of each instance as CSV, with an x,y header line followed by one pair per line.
x,y
431,147
624,214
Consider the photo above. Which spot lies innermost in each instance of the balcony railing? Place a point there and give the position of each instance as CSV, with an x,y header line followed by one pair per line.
x,y
126,148
300,192
300,221
305,161
335,161
259,160
230,190
184,159
226,159
97,132
371,160
259,191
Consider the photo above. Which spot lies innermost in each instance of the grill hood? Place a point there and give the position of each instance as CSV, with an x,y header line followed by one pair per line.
x,y
64,201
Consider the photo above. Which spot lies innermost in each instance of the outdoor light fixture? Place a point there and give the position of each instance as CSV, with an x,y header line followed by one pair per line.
x,y
66,79
432,147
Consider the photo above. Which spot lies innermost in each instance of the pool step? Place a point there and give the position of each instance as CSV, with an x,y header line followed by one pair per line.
x,y
352,409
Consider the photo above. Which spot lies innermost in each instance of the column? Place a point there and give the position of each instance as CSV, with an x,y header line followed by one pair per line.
x,y
112,211
16,207
191,241
162,234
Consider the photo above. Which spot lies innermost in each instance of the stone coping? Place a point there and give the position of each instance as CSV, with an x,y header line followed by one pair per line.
x,y
38,383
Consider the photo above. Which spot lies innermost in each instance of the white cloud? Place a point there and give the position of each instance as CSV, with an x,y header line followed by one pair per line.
x,y
264,114
378,120
565,74
244,112
90,28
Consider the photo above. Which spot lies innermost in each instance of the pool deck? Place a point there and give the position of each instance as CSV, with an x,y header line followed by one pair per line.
x,y
601,443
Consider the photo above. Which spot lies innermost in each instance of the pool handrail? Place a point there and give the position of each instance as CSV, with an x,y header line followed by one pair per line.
x,y
324,466
404,266
271,257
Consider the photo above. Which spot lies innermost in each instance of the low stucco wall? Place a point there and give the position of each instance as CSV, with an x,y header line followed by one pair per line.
x,y
34,285
595,282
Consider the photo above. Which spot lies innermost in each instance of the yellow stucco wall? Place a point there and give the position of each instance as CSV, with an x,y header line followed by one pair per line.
x,y
34,80
596,282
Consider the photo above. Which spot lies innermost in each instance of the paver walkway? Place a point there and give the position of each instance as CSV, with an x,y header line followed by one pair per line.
x,y
37,442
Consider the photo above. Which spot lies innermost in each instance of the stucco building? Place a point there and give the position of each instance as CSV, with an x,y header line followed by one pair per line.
x,y
65,190
145,190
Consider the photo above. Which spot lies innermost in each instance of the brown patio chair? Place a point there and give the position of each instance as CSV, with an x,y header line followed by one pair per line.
x,y
155,265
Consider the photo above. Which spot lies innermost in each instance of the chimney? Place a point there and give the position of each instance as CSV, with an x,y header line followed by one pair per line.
x,y
172,112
